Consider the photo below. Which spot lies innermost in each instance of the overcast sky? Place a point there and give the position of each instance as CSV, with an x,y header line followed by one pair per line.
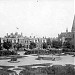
x,y
40,18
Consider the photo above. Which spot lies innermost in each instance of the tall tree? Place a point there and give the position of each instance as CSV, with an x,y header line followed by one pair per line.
x,y
67,44
7,45
18,46
56,44
0,44
44,45
48,41
32,45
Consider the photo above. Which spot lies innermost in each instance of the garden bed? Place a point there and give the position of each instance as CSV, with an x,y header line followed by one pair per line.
x,y
54,70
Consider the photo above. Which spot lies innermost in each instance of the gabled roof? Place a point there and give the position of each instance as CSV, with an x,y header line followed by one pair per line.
x,y
66,35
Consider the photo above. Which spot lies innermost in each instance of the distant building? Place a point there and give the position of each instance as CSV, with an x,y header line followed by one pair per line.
x,y
39,41
65,36
17,38
68,36
25,41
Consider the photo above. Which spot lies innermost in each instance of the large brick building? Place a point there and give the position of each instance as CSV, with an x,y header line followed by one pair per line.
x,y
17,38
25,41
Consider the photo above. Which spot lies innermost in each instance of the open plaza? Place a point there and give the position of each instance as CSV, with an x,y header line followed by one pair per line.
x,y
32,61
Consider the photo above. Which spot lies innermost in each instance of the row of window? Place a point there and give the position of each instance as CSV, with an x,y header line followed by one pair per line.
x,y
23,41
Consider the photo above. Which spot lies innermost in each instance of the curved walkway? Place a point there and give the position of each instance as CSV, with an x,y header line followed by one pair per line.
x,y
31,59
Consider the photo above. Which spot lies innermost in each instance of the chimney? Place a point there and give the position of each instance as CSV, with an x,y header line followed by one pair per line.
x,y
34,36
7,34
66,30
21,34
30,36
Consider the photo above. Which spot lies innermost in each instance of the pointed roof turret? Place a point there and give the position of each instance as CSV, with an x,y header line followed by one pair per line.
x,y
73,33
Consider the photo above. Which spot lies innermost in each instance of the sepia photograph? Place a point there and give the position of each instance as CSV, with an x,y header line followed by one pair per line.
x,y
37,37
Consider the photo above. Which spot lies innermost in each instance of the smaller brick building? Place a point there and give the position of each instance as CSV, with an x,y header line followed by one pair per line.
x,y
65,36
68,36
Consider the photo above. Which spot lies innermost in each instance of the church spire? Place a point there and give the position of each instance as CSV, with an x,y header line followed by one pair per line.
x,y
73,26
73,33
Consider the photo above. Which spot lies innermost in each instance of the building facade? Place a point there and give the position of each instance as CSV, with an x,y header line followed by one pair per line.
x,y
68,36
24,41
65,36
38,41
17,38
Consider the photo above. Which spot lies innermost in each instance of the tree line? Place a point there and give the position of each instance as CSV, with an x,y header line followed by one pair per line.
x,y
53,44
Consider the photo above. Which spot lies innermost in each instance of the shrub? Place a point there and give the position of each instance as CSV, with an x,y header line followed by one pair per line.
x,y
54,70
